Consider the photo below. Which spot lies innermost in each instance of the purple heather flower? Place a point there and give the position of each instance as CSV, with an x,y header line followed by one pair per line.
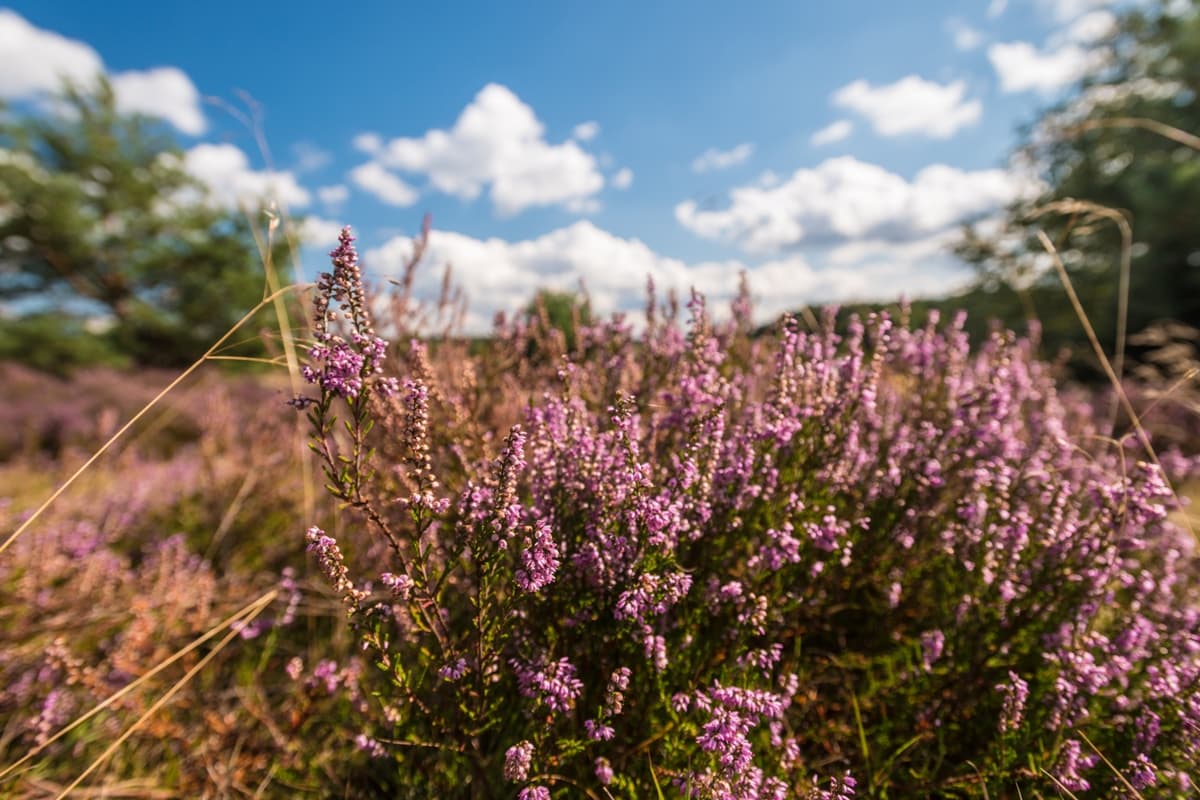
x,y
539,559
534,793
333,566
326,674
1016,693
839,789
597,731
454,670
369,746
1071,764
604,771
399,585
1142,772
932,645
517,760
55,711
554,684
341,371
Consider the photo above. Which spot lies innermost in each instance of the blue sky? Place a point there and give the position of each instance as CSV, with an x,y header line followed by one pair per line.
x,y
559,141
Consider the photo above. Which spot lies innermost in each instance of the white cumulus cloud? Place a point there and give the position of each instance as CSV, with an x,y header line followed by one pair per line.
x,y
714,159
498,143
320,232
1022,67
500,275
833,132
844,199
623,179
1067,10
36,62
232,182
309,157
164,92
383,185
911,105
1091,27
33,60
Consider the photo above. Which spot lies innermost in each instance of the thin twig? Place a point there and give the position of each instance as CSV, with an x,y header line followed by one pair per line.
x,y
1161,128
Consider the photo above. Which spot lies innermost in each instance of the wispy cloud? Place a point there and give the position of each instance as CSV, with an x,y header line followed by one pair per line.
x,y
833,132
713,159
586,131
965,37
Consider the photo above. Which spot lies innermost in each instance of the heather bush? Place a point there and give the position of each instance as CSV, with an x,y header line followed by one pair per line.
x,y
702,564
680,556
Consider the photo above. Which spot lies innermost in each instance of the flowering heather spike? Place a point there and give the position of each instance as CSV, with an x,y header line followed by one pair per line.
x,y
347,284
343,368
516,761
539,559
1016,692
333,565
506,473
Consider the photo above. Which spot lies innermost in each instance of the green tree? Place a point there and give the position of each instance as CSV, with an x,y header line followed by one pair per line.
x,y
563,312
1122,141
99,219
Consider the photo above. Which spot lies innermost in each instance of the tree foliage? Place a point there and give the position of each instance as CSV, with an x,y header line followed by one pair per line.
x,y
560,312
99,220
1121,147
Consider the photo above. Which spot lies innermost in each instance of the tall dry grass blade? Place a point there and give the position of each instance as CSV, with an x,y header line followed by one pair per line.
x,y
1174,387
263,601
158,704
1074,207
145,409
1059,784
266,253
1143,437
252,119
1109,764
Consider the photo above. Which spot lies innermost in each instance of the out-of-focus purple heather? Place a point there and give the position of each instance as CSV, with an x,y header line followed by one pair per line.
x,y
171,532
726,556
